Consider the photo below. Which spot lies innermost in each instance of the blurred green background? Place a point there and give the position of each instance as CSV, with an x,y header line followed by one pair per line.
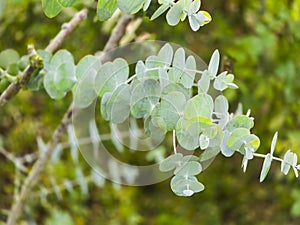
x,y
260,40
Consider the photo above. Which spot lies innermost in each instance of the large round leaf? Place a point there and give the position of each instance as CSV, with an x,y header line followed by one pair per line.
x,y
111,75
117,106
199,105
170,109
145,95
186,186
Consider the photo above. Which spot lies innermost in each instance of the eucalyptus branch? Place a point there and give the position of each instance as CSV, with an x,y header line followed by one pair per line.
x,y
36,61
41,163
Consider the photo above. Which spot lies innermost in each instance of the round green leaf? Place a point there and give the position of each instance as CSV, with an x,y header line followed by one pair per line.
x,y
170,109
51,8
220,82
86,64
182,186
199,105
174,14
8,57
118,105
145,95
129,6
241,121
106,8
60,57
64,77
237,138
177,87
50,87
110,75
171,162
83,94
188,169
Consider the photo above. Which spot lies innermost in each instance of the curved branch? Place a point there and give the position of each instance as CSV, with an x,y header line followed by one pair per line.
x,y
54,44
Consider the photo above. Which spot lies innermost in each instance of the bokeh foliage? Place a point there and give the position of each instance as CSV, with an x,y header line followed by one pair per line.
x,y
260,41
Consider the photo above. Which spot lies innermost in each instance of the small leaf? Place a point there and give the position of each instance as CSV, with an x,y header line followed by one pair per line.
x,y
106,8
64,76
140,70
220,83
199,19
290,159
214,62
221,104
8,57
111,75
274,141
177,87
266,167
51,8
182,186
204,82
159,11
226,151
145,95
60,57
237,138
146,5
118,105
85,64
188,77
103,107
194,7
83,94
171,162
165,54
241,121
129,6
177,71
188,131
204,141
188,169
199,105
170,109
50,87
174,14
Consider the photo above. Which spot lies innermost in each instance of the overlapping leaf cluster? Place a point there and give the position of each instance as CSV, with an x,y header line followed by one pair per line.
x,y
177,10
161,93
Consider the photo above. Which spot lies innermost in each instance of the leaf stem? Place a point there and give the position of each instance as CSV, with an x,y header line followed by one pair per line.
x,y
174,142
264,156
130,79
